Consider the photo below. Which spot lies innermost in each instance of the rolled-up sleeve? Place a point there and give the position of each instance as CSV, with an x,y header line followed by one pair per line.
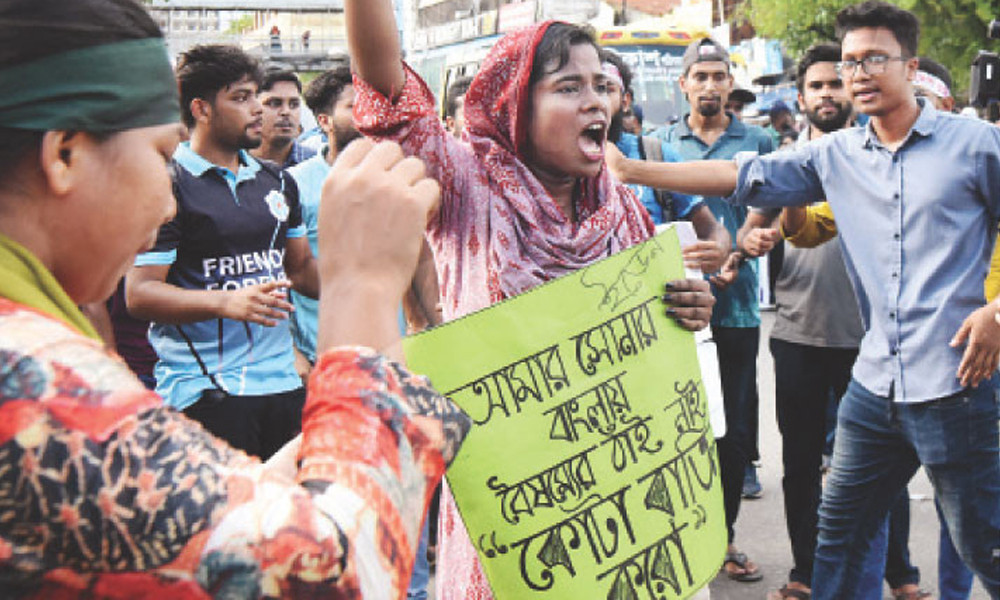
x,y
777,179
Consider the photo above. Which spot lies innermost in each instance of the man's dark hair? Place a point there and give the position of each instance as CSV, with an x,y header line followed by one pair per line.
x,y
929,65
324,91
273,76
553,50
33,29
205,69
610,56
821,52
456,90
874,13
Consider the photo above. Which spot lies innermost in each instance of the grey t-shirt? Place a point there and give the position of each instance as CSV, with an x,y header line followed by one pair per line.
x,y
815,300
816,305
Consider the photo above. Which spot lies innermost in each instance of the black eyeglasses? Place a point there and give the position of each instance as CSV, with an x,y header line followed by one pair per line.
x,y
875,64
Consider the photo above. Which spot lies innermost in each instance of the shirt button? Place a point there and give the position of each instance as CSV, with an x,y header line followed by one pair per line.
x,y
896,195
893,352
895,236
895,275
892,315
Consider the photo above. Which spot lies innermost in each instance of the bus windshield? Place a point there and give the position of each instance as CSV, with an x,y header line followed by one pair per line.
x,y
655,71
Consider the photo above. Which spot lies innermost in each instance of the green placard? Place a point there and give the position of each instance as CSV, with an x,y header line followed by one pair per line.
x,y
591,469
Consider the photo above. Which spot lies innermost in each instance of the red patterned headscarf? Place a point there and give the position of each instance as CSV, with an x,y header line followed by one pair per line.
x,y
497,115
499,232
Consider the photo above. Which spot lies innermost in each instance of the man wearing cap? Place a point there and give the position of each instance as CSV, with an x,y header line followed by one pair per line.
x,y
709,132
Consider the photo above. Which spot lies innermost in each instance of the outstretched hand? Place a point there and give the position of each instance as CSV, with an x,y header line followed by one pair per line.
x,y
264,304
616,161
704,255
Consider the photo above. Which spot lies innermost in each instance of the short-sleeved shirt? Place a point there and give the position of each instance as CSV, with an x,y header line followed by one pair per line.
x,y
737,305
309,176
917,225
230,232
683,204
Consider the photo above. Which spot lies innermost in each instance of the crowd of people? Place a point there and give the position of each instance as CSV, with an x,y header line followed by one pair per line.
x,y
202,390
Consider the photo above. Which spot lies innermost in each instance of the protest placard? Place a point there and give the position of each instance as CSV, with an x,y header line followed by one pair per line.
x,y
591,468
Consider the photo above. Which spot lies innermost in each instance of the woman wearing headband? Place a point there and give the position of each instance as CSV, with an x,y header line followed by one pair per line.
x,y
105,493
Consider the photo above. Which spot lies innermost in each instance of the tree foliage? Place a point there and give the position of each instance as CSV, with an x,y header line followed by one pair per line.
x,y
952,31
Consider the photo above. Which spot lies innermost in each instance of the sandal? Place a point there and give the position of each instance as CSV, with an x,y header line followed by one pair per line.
x,y
787,592
740,560
917,594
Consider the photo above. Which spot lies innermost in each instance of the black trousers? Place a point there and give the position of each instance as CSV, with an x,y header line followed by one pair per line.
x,y
804,379
737,351
257,425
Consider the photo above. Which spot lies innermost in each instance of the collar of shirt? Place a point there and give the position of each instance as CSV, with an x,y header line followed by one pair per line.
x,y
736,128
198,165
924,126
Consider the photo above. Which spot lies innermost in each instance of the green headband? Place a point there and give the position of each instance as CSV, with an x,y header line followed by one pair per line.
x,y
111,87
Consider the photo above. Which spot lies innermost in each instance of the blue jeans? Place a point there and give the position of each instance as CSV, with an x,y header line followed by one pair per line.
x,y
880,444
421,568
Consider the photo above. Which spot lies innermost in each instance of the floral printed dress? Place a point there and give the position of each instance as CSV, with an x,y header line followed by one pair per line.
x,y
106,493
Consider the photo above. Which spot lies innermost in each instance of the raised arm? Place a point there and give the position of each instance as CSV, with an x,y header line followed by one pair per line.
x,y
374,44
186,514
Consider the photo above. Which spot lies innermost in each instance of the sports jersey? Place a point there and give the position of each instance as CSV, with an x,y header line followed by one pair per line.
x,y
229,232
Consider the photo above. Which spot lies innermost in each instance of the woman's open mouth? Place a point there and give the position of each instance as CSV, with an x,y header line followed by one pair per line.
x,y
592,140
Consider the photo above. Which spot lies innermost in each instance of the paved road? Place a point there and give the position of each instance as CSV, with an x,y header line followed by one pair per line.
x,y
760,529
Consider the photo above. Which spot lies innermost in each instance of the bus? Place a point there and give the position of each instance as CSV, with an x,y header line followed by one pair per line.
x,y
440,67
654,55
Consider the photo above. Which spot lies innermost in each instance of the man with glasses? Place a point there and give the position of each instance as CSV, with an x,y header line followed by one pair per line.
x,y
916,194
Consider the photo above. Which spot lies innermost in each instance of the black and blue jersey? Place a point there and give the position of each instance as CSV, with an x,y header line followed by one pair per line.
x,y
229,232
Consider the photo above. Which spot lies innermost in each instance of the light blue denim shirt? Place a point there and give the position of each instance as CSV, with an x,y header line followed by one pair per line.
x,y
917,226
735,306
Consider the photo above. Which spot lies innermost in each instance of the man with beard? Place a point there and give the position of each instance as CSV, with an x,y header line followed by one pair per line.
x,y
708,132
280,96
214,283
817,326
